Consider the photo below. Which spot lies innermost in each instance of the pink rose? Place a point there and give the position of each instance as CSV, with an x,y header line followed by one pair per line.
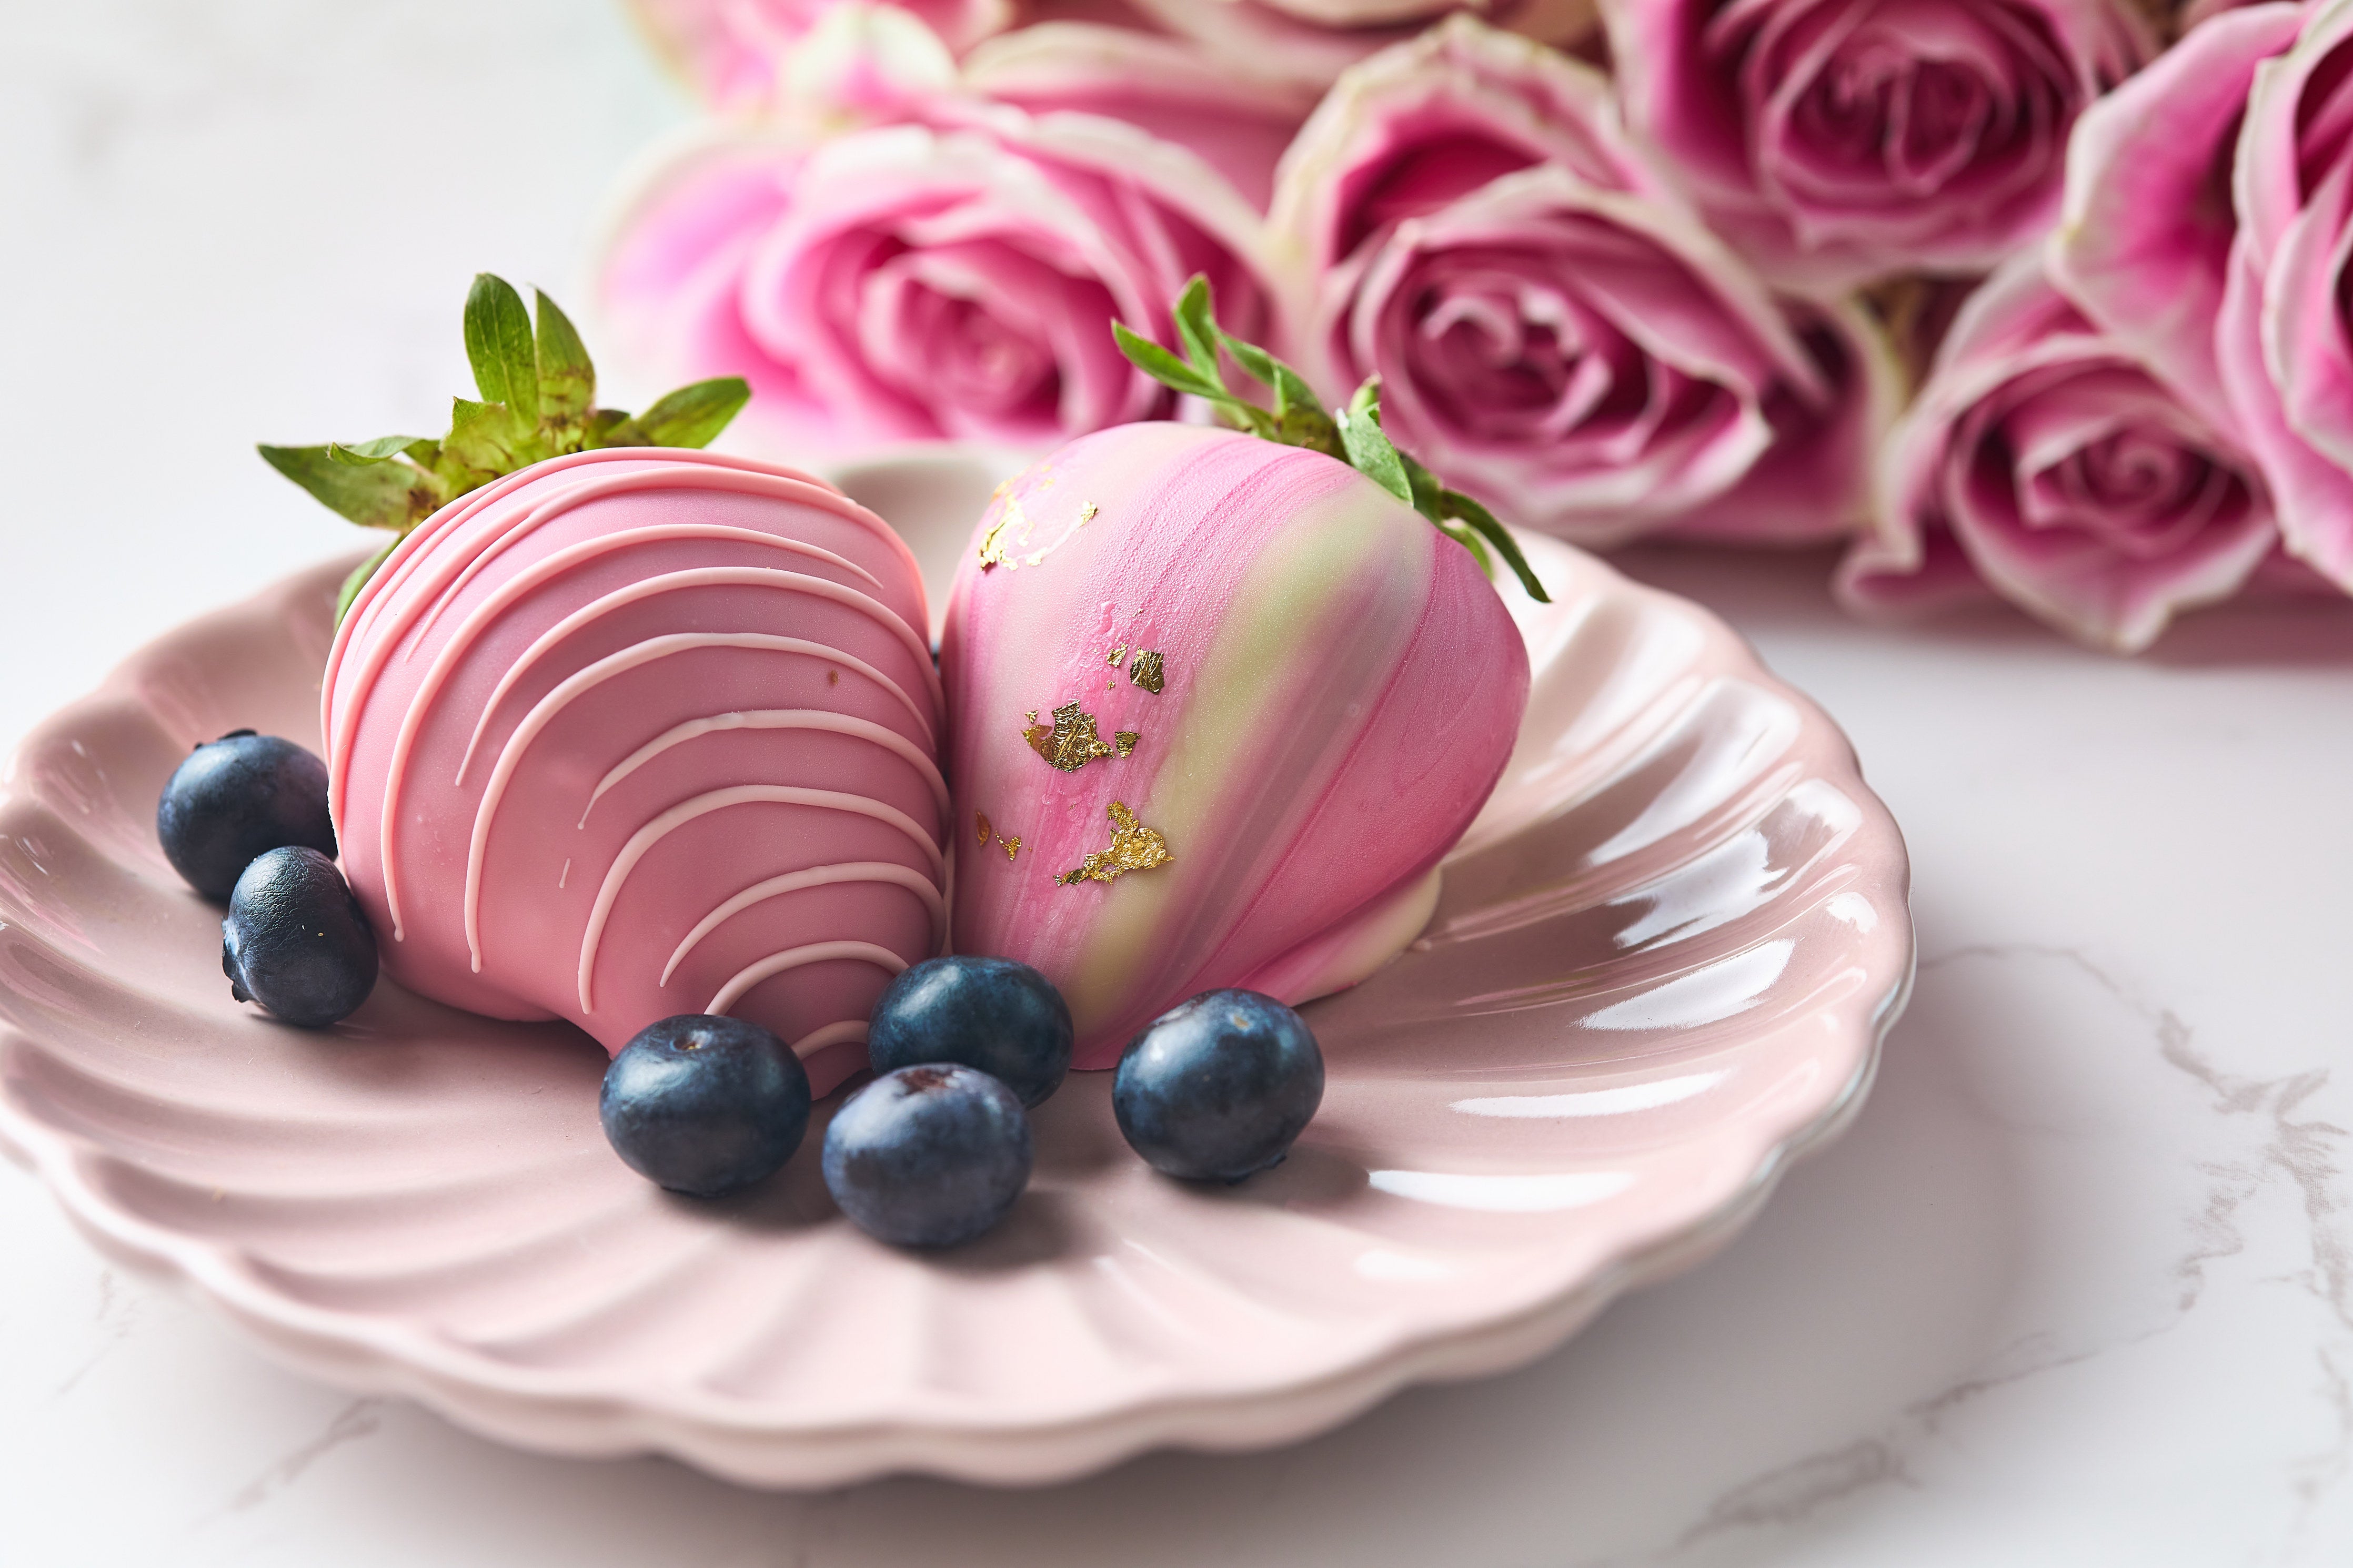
x,y
2144,240
2043,461
1313,41
1556,333
733,51
1238,121
1835,140
955,275
2282,341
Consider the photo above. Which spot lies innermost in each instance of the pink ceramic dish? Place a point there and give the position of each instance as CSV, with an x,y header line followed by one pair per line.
x,y
1661,966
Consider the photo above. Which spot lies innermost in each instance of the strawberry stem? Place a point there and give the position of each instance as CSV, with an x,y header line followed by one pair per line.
x,y
538,401
1298,419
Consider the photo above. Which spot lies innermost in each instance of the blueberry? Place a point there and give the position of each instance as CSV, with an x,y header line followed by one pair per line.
x,y
236,798
928,1155
296,940
704,1104
1003,1018
1217,1088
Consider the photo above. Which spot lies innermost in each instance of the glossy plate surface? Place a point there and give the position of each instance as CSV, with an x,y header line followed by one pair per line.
x,y
1660,967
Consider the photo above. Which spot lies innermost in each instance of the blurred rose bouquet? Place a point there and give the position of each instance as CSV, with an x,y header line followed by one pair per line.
x,y
2036,299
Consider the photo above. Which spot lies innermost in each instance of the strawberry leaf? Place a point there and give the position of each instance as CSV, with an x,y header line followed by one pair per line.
x,y
1197,328
1256,362
374,495
1298,419
567,380
383,449
538,400
1167,368
692,414
1426,487
1468,537
597,430
1455,505
499,346
1370,451
1293,395
358,578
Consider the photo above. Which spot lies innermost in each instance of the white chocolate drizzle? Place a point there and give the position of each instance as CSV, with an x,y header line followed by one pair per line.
x,y
687,811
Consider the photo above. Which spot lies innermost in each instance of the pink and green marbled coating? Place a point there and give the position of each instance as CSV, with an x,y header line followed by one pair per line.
x,y
1342,688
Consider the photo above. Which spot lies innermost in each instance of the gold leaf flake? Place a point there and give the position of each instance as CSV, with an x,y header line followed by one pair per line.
x,y
1134,847
981,822
1146,672
1012,845
1071,742
1126,740
992,543
1001,544
1115,655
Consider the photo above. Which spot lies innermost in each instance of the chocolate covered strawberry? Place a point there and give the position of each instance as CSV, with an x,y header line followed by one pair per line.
x,y
1221,700
618,733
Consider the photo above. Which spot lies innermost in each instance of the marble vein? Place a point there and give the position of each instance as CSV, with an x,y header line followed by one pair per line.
x,y
2288,1148
360,1419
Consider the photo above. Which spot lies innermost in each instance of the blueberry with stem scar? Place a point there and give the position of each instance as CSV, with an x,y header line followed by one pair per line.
x,y
928,1155
705,1104
993,1014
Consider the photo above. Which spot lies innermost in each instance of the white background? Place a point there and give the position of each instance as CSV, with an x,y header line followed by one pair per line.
x,y
2076,1290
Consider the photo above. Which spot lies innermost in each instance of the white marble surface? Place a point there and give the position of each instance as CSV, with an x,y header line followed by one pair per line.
x,y
2077,1288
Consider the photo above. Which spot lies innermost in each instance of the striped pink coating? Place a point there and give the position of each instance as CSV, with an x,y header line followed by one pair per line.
x,y
727,661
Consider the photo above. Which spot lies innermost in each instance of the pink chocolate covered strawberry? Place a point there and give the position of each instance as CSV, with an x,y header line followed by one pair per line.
x,y
1220,700
619,732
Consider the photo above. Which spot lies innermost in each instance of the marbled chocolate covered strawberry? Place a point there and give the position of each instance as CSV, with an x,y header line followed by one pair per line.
x,y
1220,704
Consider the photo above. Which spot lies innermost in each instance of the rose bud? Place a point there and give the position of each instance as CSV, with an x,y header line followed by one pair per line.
x,y
1222,703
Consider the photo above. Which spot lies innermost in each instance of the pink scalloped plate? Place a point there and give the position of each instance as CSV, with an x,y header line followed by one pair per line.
x,y
1660,969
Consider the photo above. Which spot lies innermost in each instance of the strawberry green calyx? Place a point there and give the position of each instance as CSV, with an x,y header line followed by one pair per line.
x,y
1353,436
538,401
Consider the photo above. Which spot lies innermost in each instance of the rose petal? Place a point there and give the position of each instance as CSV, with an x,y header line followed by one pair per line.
x,y
2144,240
1274,38
1237,122
2313,497
2305,344
730,50
1418,125
1813,482
2270,173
